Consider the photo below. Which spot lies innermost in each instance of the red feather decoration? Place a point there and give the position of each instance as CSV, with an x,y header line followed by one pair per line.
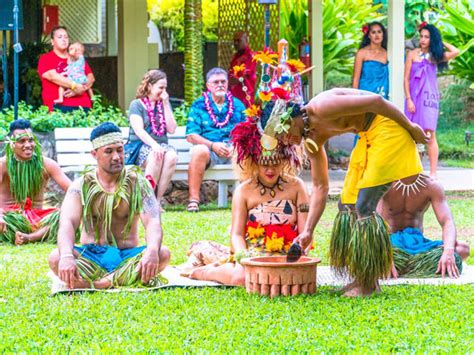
x,y
246,140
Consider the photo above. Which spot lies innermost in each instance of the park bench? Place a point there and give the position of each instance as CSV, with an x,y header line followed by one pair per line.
x,y
73,154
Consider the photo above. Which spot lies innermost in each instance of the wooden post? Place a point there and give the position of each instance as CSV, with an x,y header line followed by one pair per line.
x,y
396,50
315,8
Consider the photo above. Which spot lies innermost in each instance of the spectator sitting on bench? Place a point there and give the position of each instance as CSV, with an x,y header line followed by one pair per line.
x,y
210,121
151,118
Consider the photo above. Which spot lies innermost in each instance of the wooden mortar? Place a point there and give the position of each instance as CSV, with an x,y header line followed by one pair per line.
x,y
273,276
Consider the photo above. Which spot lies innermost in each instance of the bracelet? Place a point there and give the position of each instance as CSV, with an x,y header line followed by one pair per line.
x,y
448,248
66,256
73,86
211,146
408,98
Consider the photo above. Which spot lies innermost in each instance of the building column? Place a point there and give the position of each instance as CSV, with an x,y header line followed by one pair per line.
x,y
111,19
396,50
132,48
315,8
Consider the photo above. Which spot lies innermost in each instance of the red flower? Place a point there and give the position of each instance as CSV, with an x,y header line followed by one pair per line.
x,y
365,29
287,231
280,93
422,25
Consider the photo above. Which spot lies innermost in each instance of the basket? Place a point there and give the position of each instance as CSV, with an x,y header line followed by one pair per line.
x,y
273,276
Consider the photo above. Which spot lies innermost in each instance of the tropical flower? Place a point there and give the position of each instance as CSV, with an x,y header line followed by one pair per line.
x,y
239,70
254,232
295,65
265,96
281,93
267,56
422,25
365,29
253,111
274,243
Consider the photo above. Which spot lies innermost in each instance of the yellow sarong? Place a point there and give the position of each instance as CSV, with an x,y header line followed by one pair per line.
x,y
384,153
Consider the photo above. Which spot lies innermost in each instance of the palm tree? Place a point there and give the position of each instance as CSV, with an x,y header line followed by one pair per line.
x,y
193,58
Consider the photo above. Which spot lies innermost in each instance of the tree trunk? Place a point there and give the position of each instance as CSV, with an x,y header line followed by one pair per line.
x,y
193,58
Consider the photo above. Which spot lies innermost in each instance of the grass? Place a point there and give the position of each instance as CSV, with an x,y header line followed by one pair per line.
x,y
453,149
401,319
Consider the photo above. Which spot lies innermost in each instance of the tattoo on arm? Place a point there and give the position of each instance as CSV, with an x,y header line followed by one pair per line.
x,y
303,207
151,206
74,190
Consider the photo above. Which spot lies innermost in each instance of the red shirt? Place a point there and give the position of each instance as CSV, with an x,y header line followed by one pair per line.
x,y
250,77
50,92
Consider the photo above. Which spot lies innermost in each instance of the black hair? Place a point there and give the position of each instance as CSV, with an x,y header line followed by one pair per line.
x,y
19,124
267,111
104,128
436,46
57,28
366,40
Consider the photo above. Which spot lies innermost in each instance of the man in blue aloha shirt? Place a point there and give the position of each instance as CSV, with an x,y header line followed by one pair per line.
x,y
210,121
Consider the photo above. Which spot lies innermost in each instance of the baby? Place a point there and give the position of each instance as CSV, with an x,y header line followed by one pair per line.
x,y
75,69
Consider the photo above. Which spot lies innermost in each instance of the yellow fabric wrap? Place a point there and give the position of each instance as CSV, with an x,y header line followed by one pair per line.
x,y
384,153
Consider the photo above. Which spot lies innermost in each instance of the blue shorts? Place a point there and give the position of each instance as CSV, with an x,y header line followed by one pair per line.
x,y
106,256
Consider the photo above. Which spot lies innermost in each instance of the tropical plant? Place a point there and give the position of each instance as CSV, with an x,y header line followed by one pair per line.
x,y
293,23
44,121
168,15
193,58
456,23
342,22
209,20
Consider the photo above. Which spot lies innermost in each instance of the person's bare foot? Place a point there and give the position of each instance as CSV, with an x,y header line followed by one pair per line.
x,y
81,283
360,291
200,272
345,288
58,101
21,238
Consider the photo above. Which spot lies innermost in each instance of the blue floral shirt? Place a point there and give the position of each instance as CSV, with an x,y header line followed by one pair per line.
x,y
199,121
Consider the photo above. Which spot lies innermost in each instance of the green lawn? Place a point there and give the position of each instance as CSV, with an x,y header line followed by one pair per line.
x,y
453,149
401,319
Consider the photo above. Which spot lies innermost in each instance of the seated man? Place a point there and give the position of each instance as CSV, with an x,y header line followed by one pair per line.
x,y
403,207
108,201
24,174
210,121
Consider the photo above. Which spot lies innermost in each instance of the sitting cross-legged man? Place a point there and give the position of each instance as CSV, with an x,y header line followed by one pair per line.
x,y
109,200
210,120
24,175
403,207
269,207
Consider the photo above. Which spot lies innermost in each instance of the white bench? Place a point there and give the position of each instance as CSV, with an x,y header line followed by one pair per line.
x,y
73,154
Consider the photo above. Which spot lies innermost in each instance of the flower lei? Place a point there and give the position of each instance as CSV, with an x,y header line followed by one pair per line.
x,y
153,114
210,111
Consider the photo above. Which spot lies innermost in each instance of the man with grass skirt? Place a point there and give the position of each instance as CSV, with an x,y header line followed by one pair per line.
x,y
403,207
109,200
386,151
24,174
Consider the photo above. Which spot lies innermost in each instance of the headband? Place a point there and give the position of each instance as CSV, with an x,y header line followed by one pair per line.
x,y
106,139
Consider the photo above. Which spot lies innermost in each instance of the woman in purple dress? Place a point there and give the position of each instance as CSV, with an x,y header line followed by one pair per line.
x,y
421,86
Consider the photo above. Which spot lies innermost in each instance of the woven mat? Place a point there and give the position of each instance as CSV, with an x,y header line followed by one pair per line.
x,y
171,273
325,277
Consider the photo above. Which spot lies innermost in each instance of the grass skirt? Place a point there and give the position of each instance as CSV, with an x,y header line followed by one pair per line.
x,y
370,251
340,238
421,265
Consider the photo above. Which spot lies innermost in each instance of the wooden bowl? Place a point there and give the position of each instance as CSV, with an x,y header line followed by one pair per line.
x,y
273,276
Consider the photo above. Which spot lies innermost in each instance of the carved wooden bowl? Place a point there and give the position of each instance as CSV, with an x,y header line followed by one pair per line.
x,y
273,276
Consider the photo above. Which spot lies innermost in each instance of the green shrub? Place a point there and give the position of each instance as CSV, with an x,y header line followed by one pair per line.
x,y
181,114
44,121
